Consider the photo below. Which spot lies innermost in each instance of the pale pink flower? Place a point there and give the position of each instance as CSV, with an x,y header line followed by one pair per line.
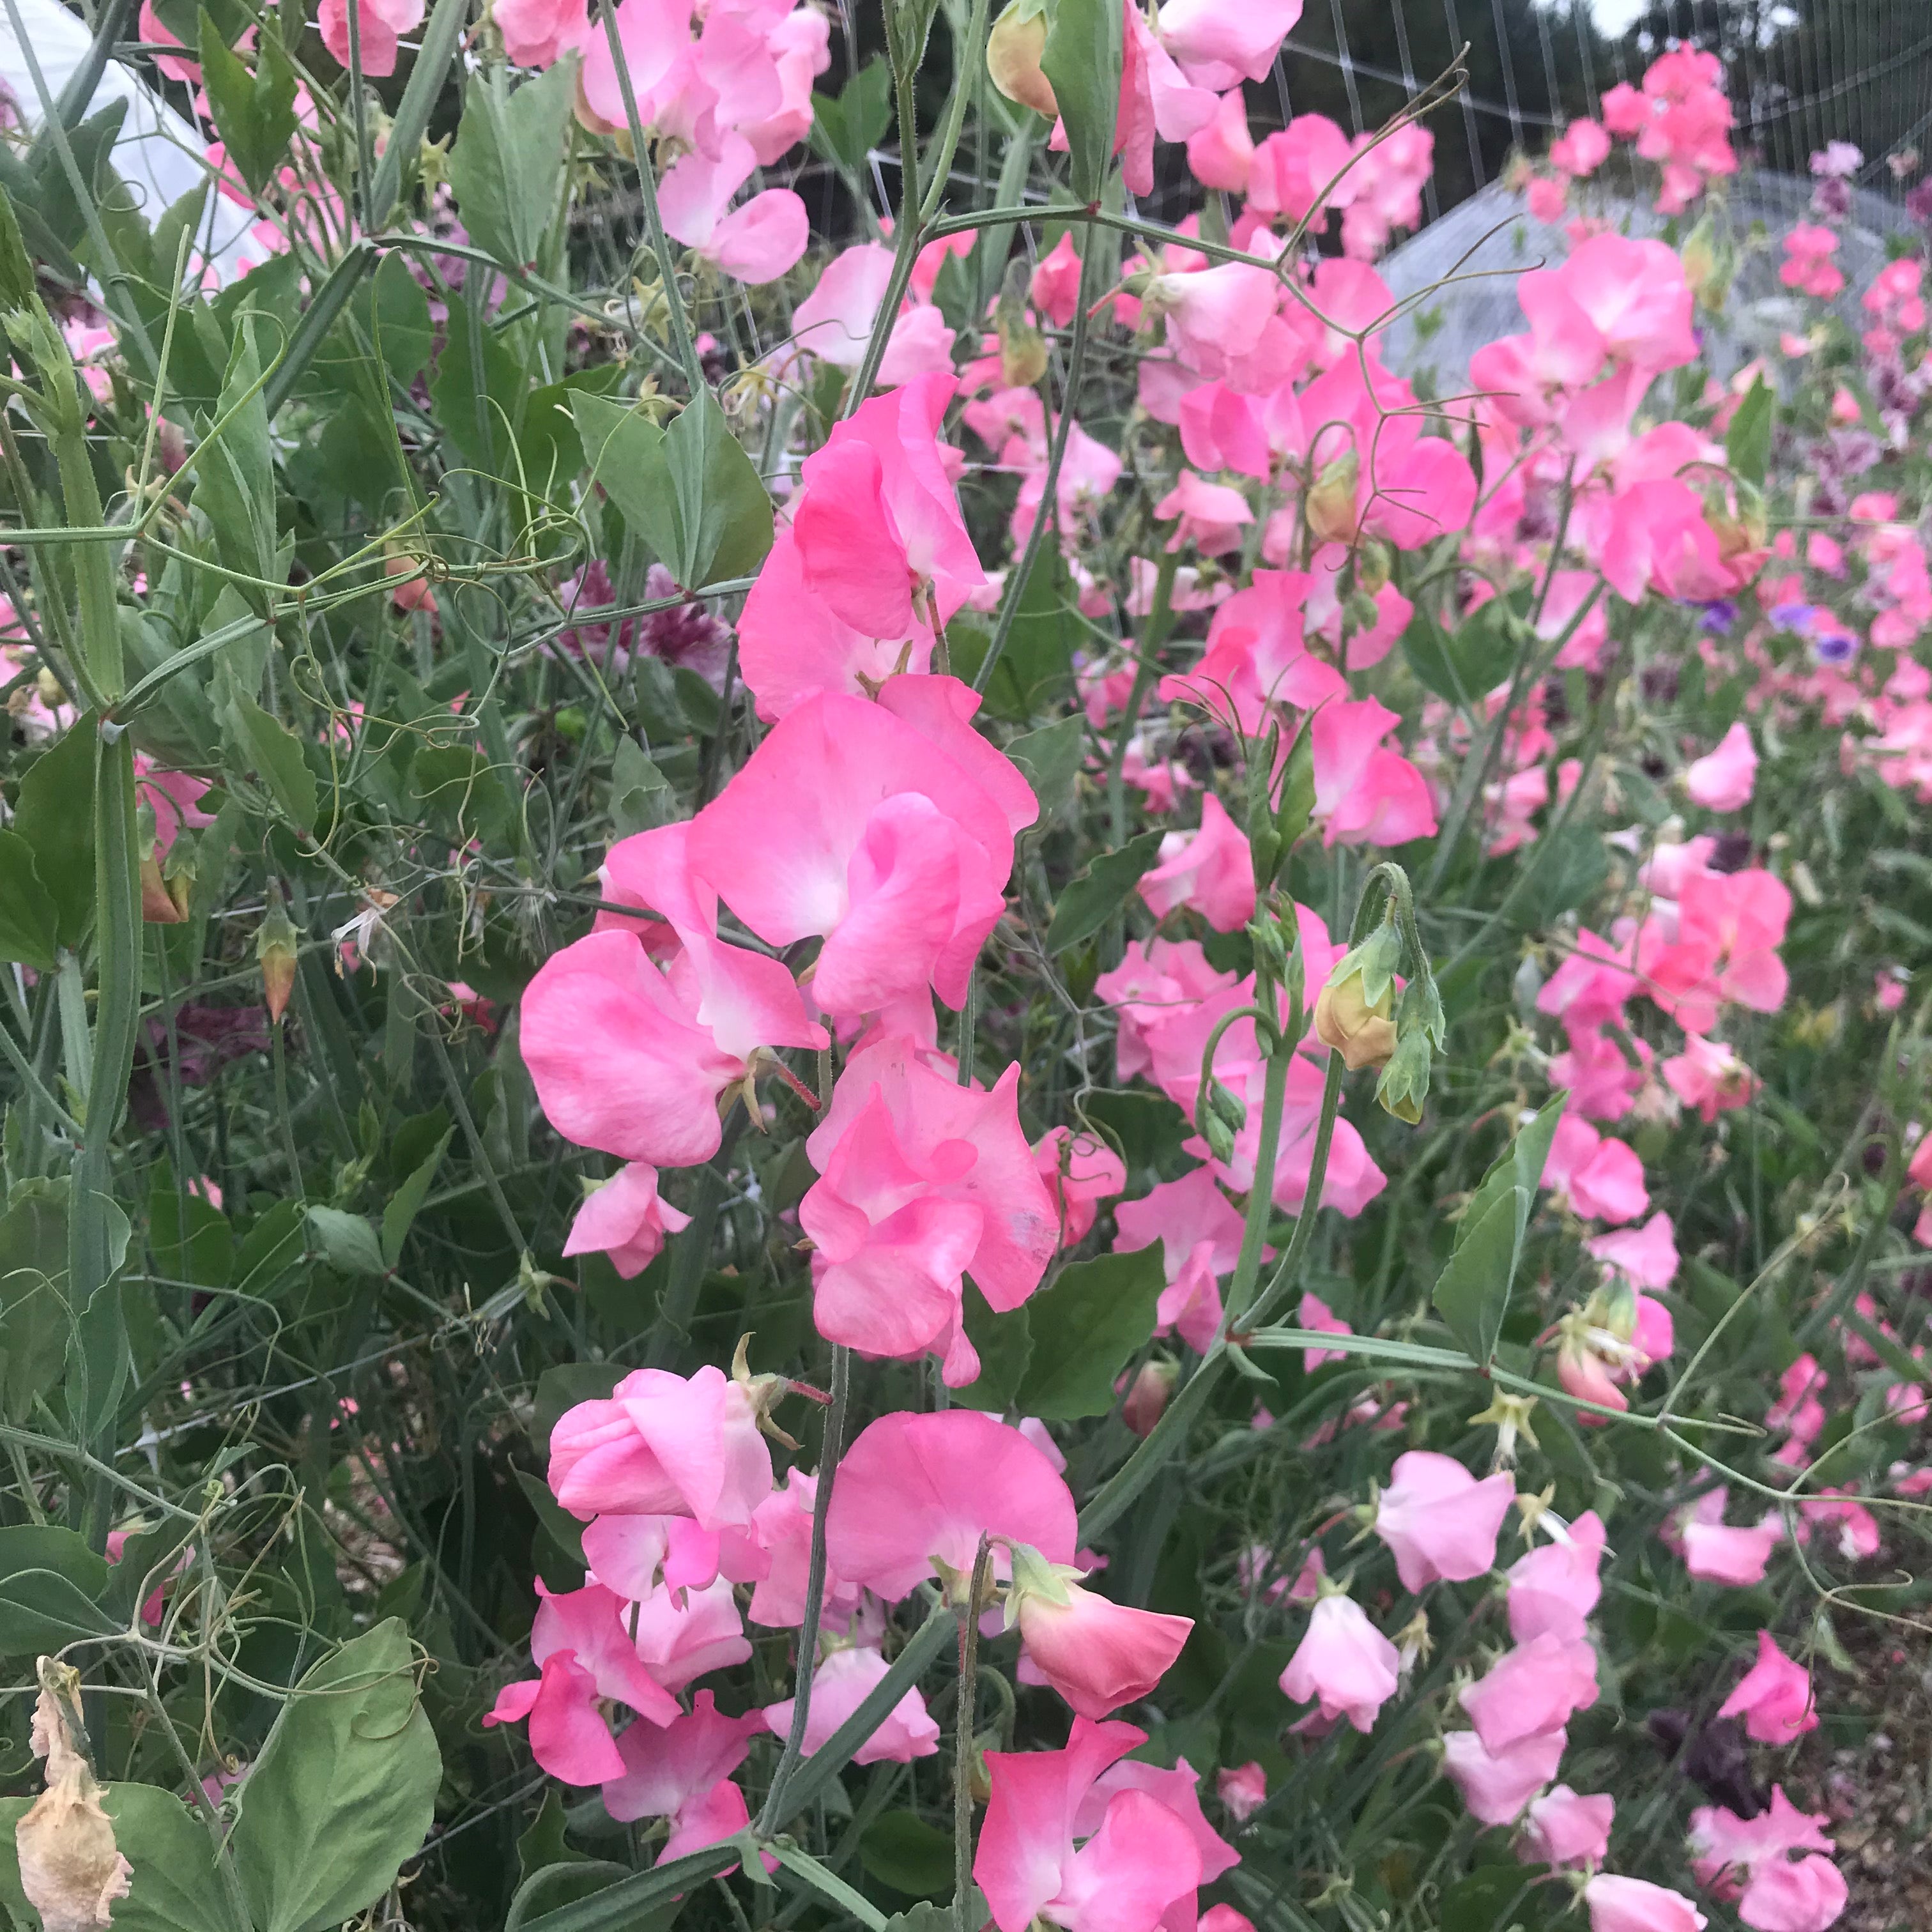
x,y
1553,1588
683,1773
1243,1788
1798,1895
1723,779
381,21
1344,1662
627,1220
1564,1828
1495,1787
1440,1521
840,1685
1635,1905
1098,1654
1531,1689
1211,871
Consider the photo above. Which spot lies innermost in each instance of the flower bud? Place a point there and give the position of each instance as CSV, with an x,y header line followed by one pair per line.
x,y
157,907
1228,1106
1014,50
275,945
1330,508
1358,1029
1149,1395
1404,1085
1373,564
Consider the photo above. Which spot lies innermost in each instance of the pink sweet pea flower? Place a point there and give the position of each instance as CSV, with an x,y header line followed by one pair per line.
x,y
1210,870
1179,1790
1495,1787
1080,1172
1344,1661
1211,515
580,1645
1243,1788
1314,1312
1220,155
782,1525
685,1633
1439,1521
887,828
154,1605
536,31
1798,1895
1555,1587
839,1685
912,1488
677,1015
1582,149
1533,1688
683,1773
926,1180
1055,286
633,1554
1723,1846
1635,1905
1602,1179
627,1220
1646,1257
662,1444
1293,168
1216,41
1564,1828
1139,1860
1774,1696
1200,1234
757,243
1722,781
1716,1552
879,530
1096,1654
1708,1075
380,24
1364,792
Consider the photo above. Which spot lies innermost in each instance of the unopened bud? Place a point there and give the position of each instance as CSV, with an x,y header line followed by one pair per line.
x,y
157,906
1329,508
1227,1105
1014,50
1357,1028
1404,1084
1149,1395
275,948
1373,564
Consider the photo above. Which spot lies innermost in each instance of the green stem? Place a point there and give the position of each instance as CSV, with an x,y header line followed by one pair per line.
x,y
964,1710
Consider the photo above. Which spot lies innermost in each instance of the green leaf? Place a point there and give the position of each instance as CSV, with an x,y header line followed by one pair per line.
x,y
1004,1345
1036,669
1082,65
273,1246
254,113
1747,441
1466,664
267,747
1050,760
1567,868
901,1849
479,400
191,1238
55,817
847,129
346,1242
1151,1126
344,1791
29,920
621,446
17,286
640,797
458,786
507,166
714,510
34,1318
235,479
406,1202
1086,1328
1092,897
51,1584
1472,1294
1498,1898
394,311
563,1529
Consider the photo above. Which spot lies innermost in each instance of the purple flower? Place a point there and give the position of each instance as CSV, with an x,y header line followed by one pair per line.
x,y
1719,614
685,634
1834,648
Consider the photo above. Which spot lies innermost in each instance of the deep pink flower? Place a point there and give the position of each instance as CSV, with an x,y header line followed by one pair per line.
x,y
1055,286
1496,1787
1200,1234
840,1685
1080,1172
1345,1662
580,1645
683,1634
1635,1905
1098,1654
1774,1696
1210,870
1531,1689
1242,1788
661,1445
676,1773
1602,1178
887,828
1364,792
1137,1862
1439,1521
914,1487
926,1180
